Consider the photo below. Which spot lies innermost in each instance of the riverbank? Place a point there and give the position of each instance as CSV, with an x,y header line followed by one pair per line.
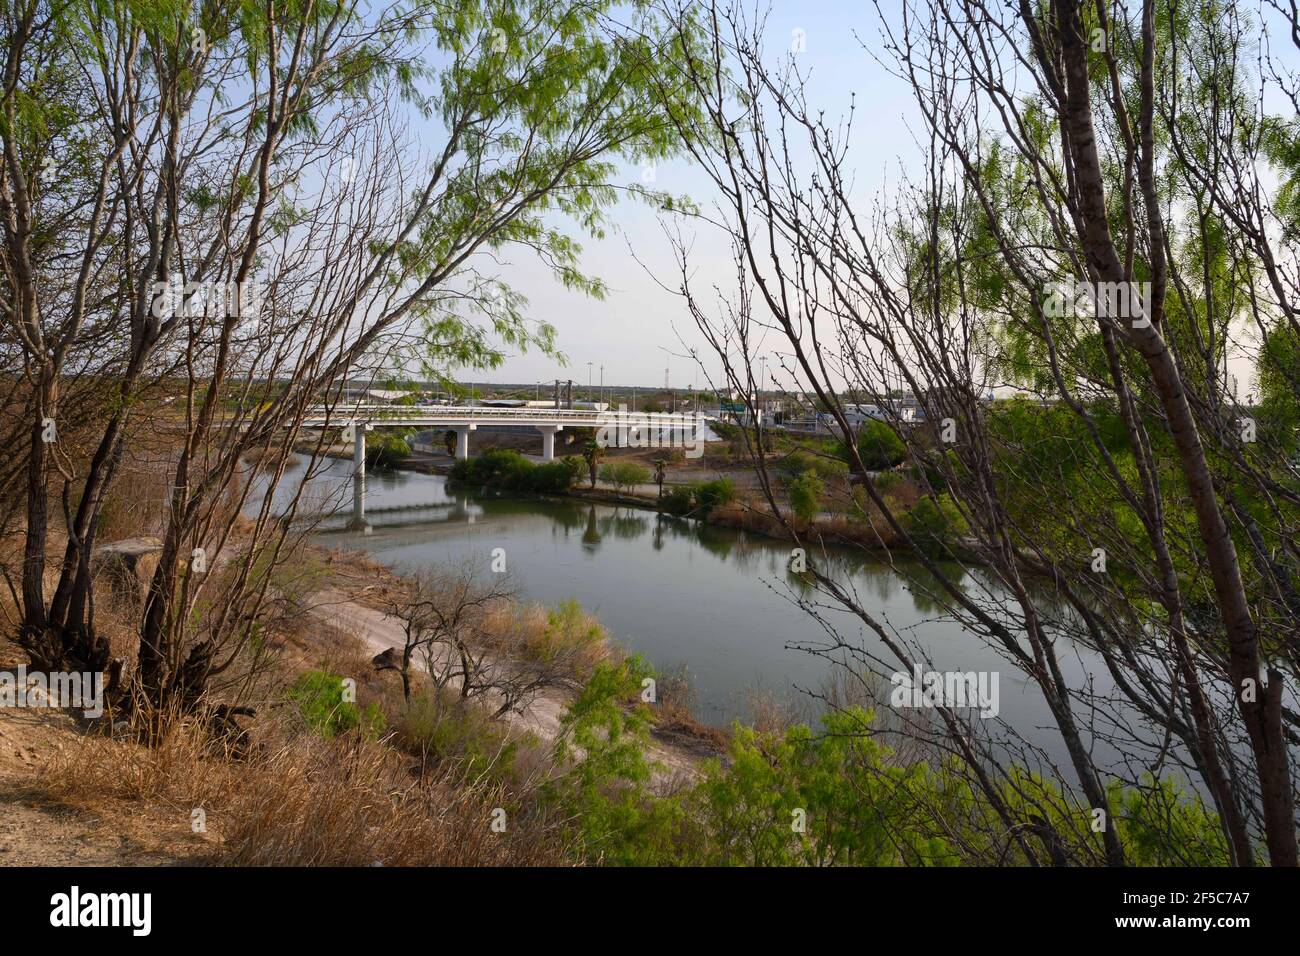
x,y
745,508
375,779
358,600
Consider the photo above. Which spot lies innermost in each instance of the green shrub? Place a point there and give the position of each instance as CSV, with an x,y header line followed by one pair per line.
x,y
806,495
552,477
697,500
887,481
858,803
711,494
624,475
489,467
605,789
320,700
879,446
935,526
386,450
677,500
507,468
932,475
798,462
437,729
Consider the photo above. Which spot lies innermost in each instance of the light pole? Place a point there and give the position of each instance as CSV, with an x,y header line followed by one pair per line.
x,y
667,386
602,383
588,380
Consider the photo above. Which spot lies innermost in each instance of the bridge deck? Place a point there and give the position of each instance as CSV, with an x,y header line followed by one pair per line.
x,y
452,415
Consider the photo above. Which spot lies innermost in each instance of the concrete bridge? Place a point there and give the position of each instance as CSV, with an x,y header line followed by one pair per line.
x,y
656,429
463,419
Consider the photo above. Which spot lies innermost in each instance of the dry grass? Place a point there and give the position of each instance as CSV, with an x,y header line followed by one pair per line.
x,y
566,633
305,801
351,802
674,715
770,712
863,529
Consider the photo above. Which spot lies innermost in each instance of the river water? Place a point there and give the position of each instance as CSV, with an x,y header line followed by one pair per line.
x,y
716,600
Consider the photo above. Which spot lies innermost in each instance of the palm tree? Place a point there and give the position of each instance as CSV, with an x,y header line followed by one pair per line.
x,y
592,453
661,467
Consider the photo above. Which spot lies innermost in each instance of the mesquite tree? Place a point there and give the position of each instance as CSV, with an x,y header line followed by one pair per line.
x,y
1095,243
215,212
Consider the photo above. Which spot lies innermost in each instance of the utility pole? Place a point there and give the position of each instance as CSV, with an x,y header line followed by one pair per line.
x,y
672,404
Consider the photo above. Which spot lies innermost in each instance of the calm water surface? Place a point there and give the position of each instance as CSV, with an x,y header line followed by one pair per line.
x,y
716,600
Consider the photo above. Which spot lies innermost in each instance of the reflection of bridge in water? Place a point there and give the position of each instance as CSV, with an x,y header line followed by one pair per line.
x,y
621,427
401,515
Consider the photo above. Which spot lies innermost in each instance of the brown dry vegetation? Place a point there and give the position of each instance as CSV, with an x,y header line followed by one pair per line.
x,y
421,792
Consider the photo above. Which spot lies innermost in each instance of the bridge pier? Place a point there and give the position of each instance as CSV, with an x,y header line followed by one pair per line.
x,y
548,440
358,522
462,440
359,430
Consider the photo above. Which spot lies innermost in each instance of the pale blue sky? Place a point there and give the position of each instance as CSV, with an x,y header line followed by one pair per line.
x,y
623,332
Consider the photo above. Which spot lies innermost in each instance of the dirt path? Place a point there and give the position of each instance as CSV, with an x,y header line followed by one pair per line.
x,y
378,631
36,830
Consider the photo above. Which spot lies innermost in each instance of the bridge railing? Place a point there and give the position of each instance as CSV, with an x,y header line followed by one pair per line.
x,y
343,414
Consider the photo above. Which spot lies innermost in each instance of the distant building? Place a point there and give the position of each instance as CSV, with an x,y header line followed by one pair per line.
x,y
374,396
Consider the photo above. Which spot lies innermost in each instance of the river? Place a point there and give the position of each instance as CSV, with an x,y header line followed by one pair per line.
x,y
716,600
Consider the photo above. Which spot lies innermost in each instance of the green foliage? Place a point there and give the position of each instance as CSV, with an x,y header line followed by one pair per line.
x,y
833,797
1160,825
813,799
605,788
934,525
678,500
488,468
888,481
384,450
711,494
798,462
697,499
568,626
1279,387
320,699
879,446
438,729
624,475
553,93
508,469
806,495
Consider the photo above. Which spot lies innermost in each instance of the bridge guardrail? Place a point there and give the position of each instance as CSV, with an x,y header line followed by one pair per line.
x,y
344,414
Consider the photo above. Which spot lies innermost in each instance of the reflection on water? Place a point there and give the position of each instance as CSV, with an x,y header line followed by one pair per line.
x,y
718,600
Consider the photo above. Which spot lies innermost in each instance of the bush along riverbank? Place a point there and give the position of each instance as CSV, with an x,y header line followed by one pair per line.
x,y
936,527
